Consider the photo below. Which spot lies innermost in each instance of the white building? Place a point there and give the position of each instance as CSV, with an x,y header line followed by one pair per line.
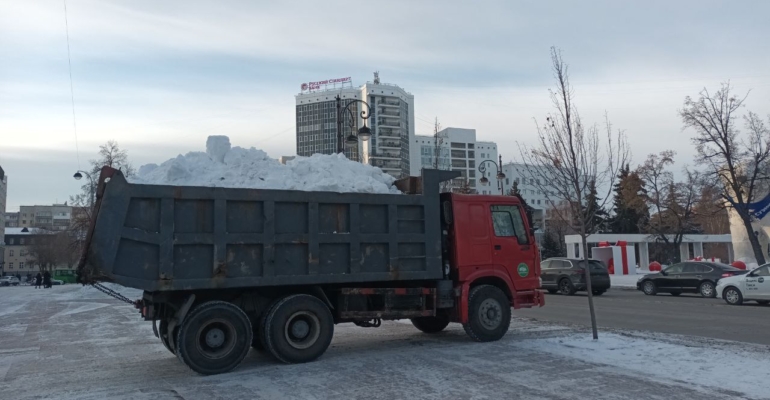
x,y
533,188
391,120
458,150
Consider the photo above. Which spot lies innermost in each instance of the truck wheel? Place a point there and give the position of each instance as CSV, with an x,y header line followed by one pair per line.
x,y
165,335
214,338
298,329
431,324
489,314
258,342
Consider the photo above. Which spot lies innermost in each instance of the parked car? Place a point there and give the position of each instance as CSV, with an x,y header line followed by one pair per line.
x,y
753,286
9,281
687,277
567,275
57,282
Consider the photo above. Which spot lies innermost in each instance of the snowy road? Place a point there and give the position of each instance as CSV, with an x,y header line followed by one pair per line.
x,y
75,343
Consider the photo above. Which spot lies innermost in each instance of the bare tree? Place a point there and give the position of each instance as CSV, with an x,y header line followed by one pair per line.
x,y
672,202
50,249
570,157
739,165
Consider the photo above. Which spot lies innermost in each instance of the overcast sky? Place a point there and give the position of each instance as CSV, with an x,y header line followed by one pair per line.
x,y
159,77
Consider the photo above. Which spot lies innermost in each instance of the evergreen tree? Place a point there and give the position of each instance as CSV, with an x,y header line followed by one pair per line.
x,y
600,216
630,211
514,190
551,246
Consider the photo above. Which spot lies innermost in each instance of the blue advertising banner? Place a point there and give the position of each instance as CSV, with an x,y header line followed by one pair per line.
x,y
760,208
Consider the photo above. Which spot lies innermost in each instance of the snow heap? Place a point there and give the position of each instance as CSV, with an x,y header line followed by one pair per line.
x,y
236,167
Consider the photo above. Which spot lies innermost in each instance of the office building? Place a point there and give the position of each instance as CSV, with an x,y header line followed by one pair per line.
x,y
458,150
391,121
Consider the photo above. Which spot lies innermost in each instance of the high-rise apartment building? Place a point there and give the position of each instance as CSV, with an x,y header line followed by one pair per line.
x,y
458,150
390,118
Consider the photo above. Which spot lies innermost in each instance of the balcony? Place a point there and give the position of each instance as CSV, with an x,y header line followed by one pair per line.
x,y
389,103
388,123
386,164
390,114
387,144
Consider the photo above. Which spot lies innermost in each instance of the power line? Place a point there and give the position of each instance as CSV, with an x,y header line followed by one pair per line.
x,y
72,90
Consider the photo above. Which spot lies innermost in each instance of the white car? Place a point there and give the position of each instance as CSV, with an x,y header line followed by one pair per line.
x,y
9,281
754,286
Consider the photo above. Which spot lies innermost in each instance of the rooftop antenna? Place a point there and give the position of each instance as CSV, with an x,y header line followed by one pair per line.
x,y
376,77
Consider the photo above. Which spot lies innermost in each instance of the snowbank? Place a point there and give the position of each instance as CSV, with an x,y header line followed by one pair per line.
x,y
723,365
236,167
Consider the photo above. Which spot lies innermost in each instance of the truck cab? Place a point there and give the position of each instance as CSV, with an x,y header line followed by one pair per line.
x,y
491,242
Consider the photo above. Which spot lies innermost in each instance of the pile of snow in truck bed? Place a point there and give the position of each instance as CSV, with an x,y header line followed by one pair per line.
x,y
236,167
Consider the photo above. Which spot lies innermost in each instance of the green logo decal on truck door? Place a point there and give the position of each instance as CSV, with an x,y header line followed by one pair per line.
x,y
523,270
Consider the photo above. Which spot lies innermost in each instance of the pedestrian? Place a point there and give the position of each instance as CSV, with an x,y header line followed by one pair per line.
x,y
46,280
38,280
18,276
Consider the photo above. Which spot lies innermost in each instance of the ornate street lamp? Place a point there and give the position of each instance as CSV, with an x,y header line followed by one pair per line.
x,y
364,133
91,187
498,167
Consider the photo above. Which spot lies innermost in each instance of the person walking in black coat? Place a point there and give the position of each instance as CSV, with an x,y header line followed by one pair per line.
x,y
38,280
46,280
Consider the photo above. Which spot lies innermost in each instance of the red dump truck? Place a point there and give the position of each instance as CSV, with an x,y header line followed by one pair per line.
x,y
223,270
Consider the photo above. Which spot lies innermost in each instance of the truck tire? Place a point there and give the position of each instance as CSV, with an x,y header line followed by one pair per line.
x,y
214,338
165,335
431,324
298,329
489,314
258,342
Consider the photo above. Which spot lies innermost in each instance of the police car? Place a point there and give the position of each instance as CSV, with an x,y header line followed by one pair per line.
x,y
754,286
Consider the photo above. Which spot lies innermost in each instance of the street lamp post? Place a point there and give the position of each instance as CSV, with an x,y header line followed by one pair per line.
x,y
91,187
498,168
364,132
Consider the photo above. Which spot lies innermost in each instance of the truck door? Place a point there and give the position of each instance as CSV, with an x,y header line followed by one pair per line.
x,y
511,245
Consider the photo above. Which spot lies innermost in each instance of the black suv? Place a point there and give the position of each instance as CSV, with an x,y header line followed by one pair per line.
x,y
568,275
687,277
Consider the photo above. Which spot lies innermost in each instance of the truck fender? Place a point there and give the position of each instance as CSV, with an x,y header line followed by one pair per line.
x,y
318,292
178,318
495,272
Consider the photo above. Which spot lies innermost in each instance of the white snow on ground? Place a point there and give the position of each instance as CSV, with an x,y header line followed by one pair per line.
x,y
624,281
725,367
236,167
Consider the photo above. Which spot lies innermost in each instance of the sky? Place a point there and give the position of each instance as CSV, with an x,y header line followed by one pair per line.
x,y
159,77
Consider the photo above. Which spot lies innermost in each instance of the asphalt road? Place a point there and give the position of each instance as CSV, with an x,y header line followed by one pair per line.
x,y
684,315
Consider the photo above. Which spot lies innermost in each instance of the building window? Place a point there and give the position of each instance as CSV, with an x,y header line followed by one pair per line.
x,y
506,181
21,240
10,265
22,253
21,265
458,145
10,253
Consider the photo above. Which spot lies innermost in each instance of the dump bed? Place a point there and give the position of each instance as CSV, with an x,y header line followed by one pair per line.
x,y
161,238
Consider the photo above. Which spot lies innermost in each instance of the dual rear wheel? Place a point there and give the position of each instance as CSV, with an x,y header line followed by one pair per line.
x,y
216,336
